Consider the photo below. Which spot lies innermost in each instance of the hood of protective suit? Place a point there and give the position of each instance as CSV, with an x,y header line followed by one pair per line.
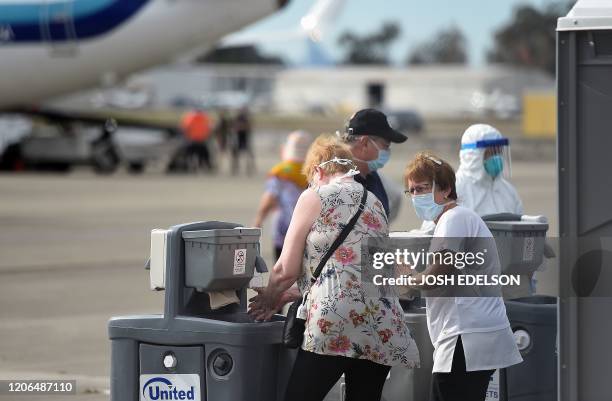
x,y
475,188
472,160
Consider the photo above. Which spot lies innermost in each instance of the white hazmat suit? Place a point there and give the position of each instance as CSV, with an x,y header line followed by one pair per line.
x,y
476,189
484,194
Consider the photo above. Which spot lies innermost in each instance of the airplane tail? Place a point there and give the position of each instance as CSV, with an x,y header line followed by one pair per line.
x,y
318,19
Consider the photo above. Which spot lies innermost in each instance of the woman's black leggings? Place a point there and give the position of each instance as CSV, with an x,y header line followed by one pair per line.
x,y
314,375
459,384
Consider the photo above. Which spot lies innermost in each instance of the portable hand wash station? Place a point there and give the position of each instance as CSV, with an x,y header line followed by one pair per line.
x,y
522,247
204,346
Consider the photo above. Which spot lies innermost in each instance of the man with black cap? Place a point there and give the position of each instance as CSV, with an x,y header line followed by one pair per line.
x,y
369,135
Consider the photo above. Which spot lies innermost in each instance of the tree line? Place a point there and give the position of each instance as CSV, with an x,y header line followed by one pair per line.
x,y
528,39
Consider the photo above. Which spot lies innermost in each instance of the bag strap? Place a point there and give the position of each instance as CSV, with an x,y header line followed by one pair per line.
x,y
341,237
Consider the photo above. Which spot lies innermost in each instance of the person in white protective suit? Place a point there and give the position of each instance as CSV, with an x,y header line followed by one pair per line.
x,y
483,186
482,183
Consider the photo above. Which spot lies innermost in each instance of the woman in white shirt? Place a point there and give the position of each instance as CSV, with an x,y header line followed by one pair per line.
x,y
471,335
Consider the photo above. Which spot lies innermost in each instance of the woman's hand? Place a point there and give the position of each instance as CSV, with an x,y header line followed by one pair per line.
x,y
405,270
261,308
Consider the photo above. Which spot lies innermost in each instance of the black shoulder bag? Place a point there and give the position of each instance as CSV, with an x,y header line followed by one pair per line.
x,y
293,331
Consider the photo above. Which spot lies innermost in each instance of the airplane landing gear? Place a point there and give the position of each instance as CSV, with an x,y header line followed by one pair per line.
x,y
104,157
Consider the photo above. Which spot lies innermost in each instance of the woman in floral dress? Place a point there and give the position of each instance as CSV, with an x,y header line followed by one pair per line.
x,y
347,330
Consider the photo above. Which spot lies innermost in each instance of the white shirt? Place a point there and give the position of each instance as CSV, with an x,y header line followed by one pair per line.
x,y
481,321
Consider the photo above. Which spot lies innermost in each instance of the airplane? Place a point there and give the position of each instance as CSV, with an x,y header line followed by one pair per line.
x,y
53,47
50,48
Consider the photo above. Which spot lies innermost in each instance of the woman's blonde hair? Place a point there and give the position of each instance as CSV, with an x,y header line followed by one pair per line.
x,y
324,148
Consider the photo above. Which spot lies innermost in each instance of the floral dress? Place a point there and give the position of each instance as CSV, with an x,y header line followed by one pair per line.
x,y
341,319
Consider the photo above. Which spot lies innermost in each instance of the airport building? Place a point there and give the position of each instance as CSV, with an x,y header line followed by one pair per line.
x,y
492,89
444,91
433,90
210,85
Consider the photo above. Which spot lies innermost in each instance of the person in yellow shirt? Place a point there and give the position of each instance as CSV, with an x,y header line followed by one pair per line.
x,y
284,185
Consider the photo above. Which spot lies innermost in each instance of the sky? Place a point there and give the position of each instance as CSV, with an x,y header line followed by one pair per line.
x,y
419,21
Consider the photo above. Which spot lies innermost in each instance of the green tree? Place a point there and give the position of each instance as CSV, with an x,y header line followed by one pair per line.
x,y
529,38
447,47
369,49
247,54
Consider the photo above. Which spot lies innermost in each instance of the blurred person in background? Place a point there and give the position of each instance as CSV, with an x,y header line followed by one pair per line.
x,y
369,137
284,185
194,154
222,129
241,141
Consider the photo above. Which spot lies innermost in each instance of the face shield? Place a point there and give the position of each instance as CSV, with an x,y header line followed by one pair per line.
x,y
495,154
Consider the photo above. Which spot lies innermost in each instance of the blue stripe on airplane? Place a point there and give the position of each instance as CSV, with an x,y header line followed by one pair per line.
x,y
47,20
31,13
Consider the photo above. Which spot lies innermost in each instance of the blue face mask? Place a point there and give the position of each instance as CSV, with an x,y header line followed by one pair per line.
x,y
494,165
426,207
383,157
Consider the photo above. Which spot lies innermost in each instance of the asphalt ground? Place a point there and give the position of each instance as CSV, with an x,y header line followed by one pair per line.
x,y
72,250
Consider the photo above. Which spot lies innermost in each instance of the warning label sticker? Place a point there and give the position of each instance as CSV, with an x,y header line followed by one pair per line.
x,y
528,249
239,261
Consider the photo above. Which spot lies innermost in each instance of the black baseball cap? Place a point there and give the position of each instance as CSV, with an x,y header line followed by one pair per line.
x,y
373,122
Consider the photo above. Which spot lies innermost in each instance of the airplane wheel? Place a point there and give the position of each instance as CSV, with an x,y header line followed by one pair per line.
x,y
12,159
104,158
52,167
136,167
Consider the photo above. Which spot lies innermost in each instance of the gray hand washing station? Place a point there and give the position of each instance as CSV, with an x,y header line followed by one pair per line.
x,y
204,346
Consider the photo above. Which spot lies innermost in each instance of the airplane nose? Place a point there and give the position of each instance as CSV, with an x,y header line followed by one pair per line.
x,y
282,3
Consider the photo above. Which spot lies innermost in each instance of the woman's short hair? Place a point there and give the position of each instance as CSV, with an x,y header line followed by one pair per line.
x,y
324,148
428,167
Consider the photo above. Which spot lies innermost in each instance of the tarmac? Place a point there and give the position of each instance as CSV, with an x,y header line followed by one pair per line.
x,y
73,249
